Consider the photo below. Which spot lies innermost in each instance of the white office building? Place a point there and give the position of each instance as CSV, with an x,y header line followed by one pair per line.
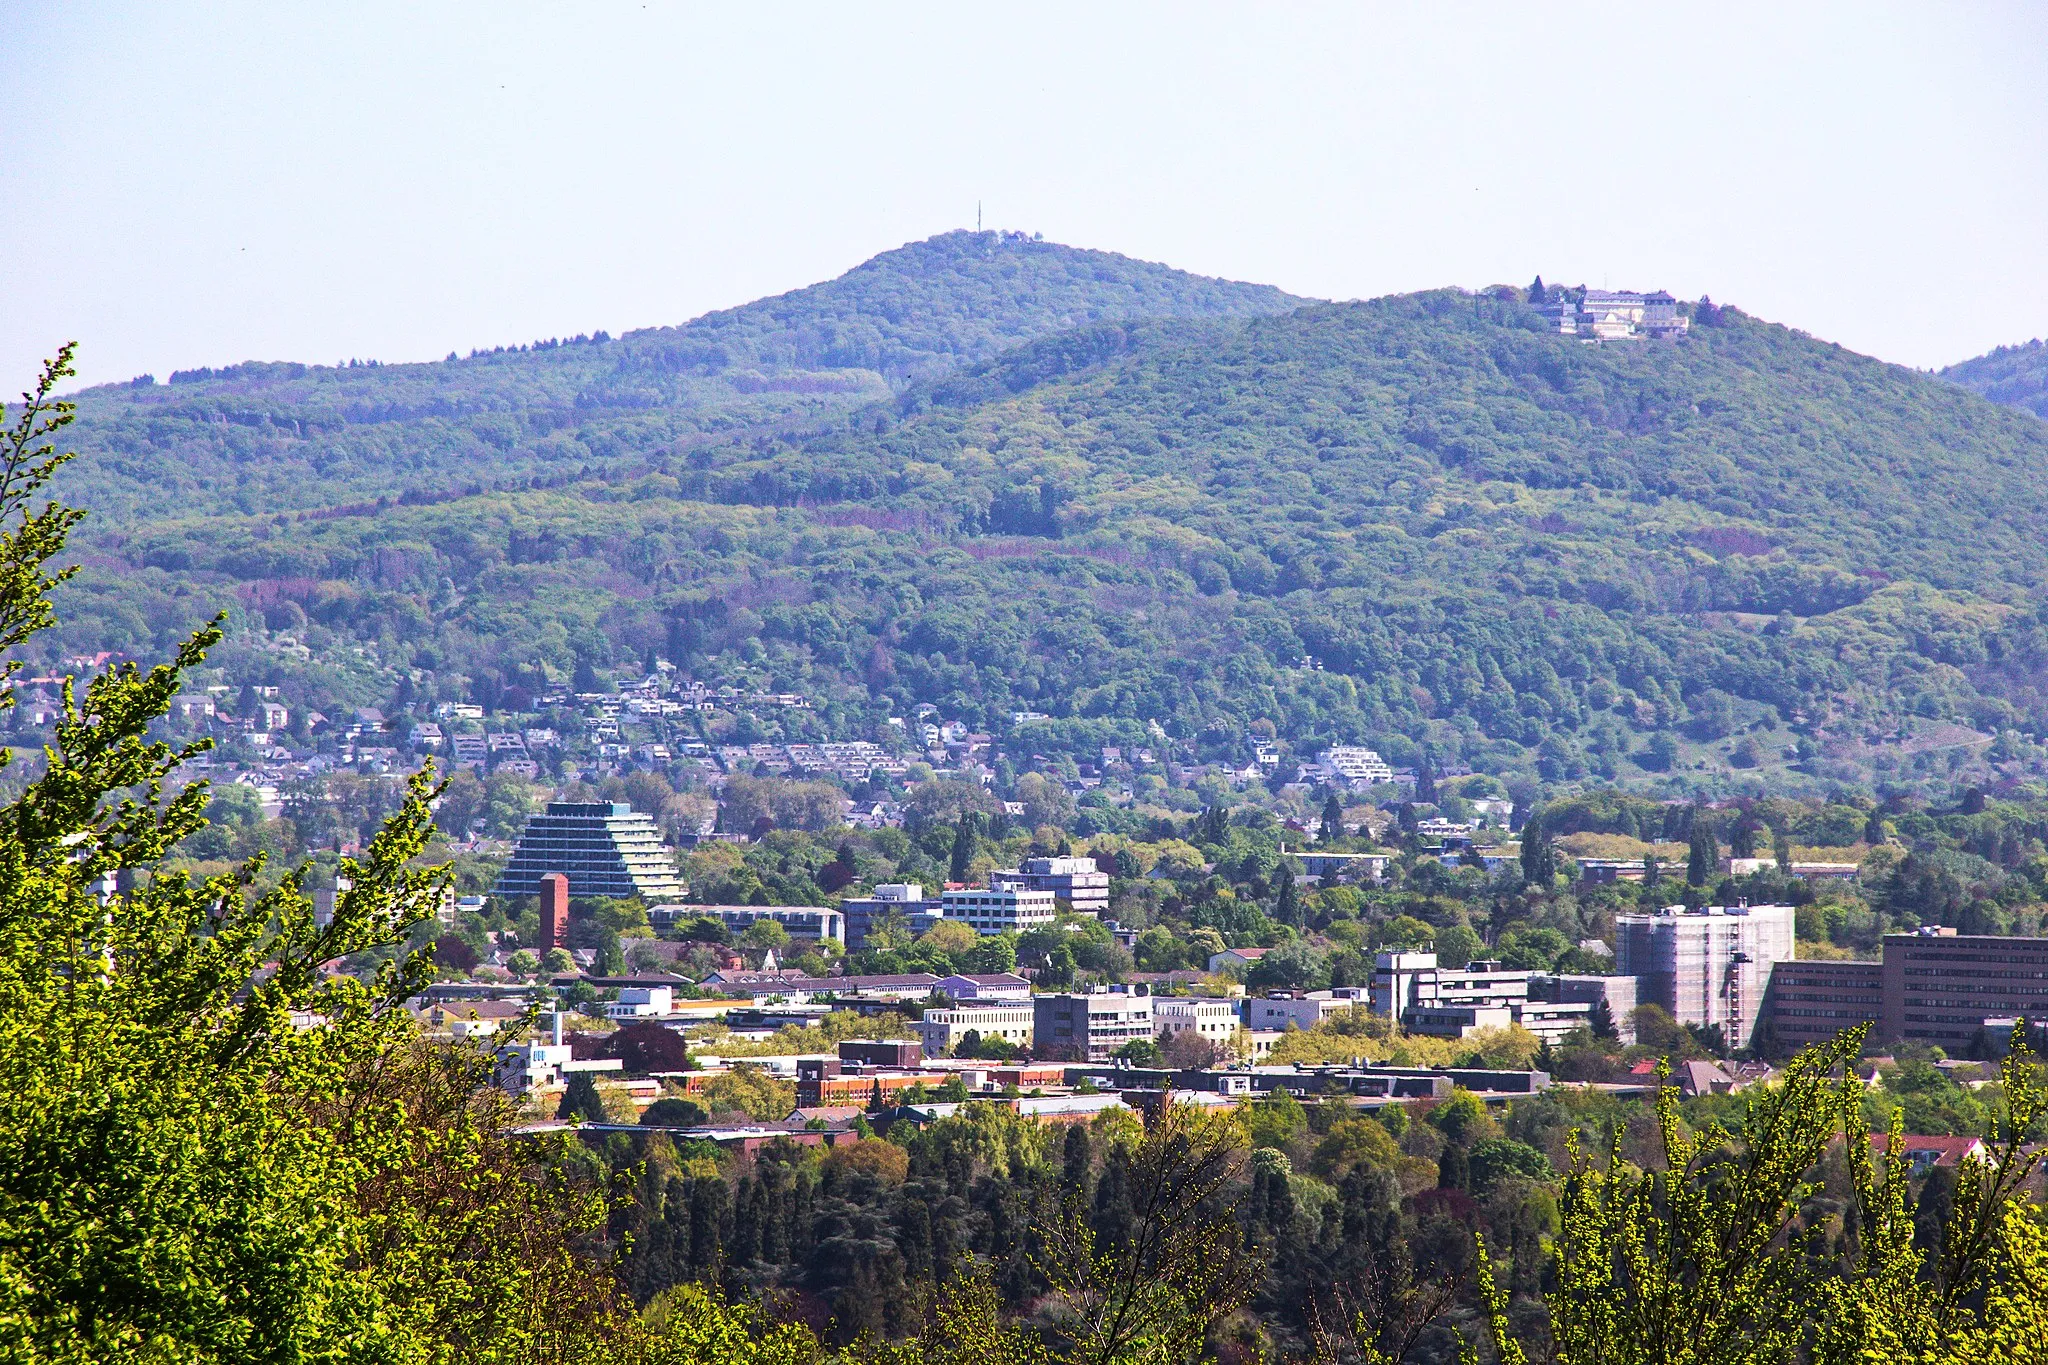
x,y
990,910
1077,881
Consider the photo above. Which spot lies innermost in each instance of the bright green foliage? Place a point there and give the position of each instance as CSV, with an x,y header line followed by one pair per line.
x,y
209,1150
1687,1264
1711,1259
692,1324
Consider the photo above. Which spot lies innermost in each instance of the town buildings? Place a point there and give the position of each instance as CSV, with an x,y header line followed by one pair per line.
x,y
1204,1016
1077,881
603,848
1709,966
1934,986
1013,1021
905,901
990,910
1090,1027
1354,763
1456,1002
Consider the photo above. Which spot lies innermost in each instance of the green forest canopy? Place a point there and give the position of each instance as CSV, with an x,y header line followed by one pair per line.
x,y
1419,516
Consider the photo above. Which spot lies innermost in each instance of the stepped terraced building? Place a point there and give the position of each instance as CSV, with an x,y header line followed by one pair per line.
x,y
603,848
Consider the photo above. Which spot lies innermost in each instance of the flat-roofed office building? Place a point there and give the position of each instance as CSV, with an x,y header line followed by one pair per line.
x,y
1940,986
1814,999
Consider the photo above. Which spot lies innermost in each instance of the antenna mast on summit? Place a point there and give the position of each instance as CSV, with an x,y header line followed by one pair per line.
x,y
977,215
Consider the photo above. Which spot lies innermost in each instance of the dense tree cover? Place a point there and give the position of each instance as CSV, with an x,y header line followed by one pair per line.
x,y
1415,519
267,437
2014,375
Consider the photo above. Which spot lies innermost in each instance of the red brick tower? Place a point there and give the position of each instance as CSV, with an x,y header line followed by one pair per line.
x,y
554,911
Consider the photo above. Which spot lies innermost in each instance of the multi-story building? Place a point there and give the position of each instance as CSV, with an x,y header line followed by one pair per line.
x,y
1617,992
1010,1020
1077,881
1940,986
804,923
1205,1016
1456,1002
1090,1027
1709,966
1301,1009
905,900
990,910
1355,763
1814,999
603,848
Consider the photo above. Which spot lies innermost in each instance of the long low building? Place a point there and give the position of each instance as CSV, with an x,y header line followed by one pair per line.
x,y
1933,986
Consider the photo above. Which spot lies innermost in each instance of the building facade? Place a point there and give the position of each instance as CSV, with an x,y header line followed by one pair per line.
x,y
1457,1002
1940,986
1090,1027
990,910
1010,1020
1708,967
1812,1001
603,848
1204,1016
1077,881
904,900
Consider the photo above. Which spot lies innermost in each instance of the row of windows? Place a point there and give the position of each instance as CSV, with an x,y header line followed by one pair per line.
x,y
1951,972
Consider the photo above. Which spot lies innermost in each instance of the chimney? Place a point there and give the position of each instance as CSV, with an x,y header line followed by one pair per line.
x,y
554,911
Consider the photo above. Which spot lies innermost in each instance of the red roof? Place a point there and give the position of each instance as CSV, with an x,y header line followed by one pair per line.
x,y
1930,1150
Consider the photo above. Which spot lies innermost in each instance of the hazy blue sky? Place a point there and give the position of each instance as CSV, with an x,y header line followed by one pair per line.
x,y
188,184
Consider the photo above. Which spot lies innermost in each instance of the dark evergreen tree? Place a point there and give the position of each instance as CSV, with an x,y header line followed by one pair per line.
x,y
1538,295
964,836
1332,827
1286,905
1539,854
1601,1020
1703,858
581,1102
1453,1169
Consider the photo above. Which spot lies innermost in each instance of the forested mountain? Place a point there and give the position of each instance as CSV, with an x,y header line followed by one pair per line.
x,y
2014,375
1418,519
260,437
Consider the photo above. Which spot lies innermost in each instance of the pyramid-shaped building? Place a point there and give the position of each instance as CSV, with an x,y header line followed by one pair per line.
x,y
603,848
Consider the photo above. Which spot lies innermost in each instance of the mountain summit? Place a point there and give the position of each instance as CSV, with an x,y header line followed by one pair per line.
x,y
271,436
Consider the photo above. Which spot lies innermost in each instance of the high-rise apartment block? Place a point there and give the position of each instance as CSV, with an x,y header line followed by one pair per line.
x,y
603,848
1708,966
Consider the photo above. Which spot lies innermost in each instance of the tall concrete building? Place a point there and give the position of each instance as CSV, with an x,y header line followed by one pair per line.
x,y
1707,966
603,848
